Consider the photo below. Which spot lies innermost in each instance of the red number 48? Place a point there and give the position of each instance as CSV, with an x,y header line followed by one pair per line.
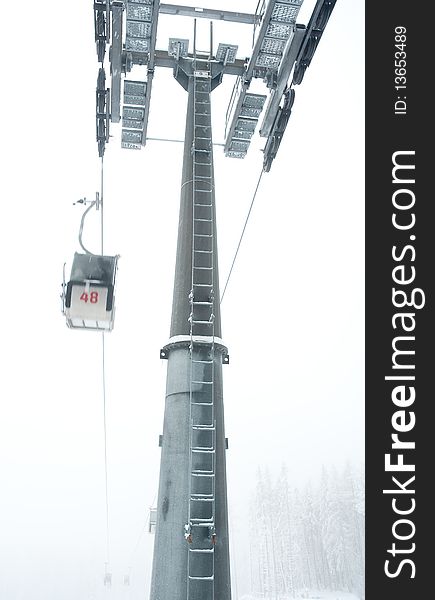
x,y
92,297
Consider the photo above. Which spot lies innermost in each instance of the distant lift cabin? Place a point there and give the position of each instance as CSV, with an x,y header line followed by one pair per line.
x,y
90,293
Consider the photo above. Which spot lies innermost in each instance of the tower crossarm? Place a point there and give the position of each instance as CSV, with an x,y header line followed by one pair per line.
x,y
209,13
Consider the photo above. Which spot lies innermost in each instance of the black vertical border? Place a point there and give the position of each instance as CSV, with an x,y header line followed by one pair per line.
x,y
387,133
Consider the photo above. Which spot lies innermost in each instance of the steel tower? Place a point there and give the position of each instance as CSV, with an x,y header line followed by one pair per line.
x,y
191,551
192,522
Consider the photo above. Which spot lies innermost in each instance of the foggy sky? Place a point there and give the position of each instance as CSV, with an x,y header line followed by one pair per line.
x,y
292,316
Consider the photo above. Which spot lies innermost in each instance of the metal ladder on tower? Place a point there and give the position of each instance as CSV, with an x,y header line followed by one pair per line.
x,y
200,528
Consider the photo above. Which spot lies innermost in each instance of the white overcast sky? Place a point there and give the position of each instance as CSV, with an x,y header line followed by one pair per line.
x,y
292,314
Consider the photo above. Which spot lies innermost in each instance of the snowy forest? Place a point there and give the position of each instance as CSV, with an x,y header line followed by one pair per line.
x,y
309,540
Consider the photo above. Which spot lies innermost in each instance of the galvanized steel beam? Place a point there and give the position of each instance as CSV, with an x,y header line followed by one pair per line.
x,y
209,13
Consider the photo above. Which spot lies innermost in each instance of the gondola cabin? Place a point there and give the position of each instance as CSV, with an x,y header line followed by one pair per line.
x,y
89,296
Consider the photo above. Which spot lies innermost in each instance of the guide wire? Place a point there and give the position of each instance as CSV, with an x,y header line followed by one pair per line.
x,y
102,204
105,450
232,552
139,539
104,373
242,234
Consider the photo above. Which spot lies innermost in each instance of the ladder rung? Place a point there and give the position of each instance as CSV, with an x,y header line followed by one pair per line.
x,y
203,362
202,323
198,451
204,235
204,220
204,251
202,499
202,550
205,382
201,521
211,578
204,427
202,403
203,472
203,495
